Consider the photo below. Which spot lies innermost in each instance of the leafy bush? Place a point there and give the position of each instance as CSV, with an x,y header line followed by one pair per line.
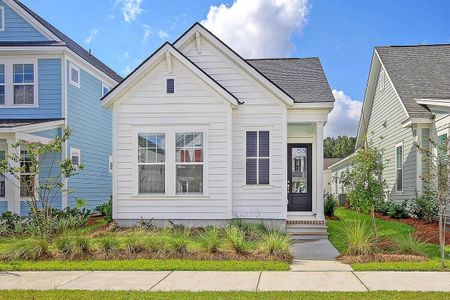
x,y
106,209
358,237
383,207
236,238
276,243
409,244
10,219
424,207
109,244
210,239
398,211
135,244
64,245
29,249
330,205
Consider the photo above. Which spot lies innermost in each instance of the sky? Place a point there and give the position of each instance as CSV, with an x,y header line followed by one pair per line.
x,y
342,34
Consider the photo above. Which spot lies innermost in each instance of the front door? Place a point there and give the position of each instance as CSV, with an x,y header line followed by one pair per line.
x,y
299,177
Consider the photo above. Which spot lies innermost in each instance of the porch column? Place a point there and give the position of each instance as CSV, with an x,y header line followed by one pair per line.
x,y
319,171
12,183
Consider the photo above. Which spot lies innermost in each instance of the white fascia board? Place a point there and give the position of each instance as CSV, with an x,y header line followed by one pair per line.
x,y
156,57
413,121
235,58
313,105
30,19
35,127
32,138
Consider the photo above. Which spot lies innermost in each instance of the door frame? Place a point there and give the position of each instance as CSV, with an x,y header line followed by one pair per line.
x,y
309,166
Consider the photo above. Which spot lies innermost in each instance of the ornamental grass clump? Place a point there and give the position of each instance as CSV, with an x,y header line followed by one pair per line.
x,y
135,244
29,249
409,244
109,244
275,243
358,237
64,245
81,245
210,239
236,239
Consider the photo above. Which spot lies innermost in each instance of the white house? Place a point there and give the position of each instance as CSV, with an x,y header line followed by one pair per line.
x,y
202,135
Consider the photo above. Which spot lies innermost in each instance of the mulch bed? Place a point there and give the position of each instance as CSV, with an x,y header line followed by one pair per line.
x,y
380,257
427,232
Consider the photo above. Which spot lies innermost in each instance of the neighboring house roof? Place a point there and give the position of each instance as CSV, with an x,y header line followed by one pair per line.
x,y
302,78
72,45
341,163
327,162
421,71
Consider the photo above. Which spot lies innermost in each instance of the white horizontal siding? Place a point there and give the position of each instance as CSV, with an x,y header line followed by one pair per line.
x,y
194,104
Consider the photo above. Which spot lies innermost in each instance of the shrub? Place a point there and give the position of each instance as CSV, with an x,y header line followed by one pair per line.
x,y
276,243
358,237
10,219
330,205
210,240
155,244
109,244
398,211
424,207
64,245
29,249
106,209
135,244
383,207
409,244
81,245
236,238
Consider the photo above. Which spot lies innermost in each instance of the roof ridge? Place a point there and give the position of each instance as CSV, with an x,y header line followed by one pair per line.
x,y
283,58
412,46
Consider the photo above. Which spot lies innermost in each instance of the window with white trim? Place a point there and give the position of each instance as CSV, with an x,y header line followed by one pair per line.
x,y
2,18
257,157
189,163
75,156
170,85
105,89
151,163
2,177
399,167
26,181
74,75
23,83
2,84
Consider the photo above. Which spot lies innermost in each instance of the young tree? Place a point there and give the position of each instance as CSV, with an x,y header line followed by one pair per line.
x,y
437,181
364,180
41,189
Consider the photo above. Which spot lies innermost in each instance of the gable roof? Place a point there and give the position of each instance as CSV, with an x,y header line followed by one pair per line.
x,y
134,76
302,78
418,72
72,45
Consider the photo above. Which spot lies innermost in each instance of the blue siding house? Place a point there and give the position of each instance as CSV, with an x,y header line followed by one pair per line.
x,y
48,83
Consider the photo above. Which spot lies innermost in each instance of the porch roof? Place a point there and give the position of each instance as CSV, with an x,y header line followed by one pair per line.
x,y
15,125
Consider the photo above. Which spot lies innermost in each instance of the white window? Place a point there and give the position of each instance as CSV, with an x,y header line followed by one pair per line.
x,y
75,156
2,85
2,18
105,89
399,167
258,157
23,81
151,163
170,85
74,75
189,163
26,182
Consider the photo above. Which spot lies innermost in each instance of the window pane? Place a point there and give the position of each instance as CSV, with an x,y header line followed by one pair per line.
x,y
251,143
189,147
23,73
2,186
170,86
189,179
2,94
299,163
74,75
264,171
251,171
399,180
2,73
151,179
23,94
399,157
263,144
151,148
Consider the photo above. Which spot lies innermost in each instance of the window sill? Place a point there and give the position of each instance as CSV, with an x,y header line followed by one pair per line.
x,y
19,106
171,197
257,186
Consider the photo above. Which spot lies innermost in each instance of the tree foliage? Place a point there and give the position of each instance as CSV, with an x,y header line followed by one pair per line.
x,y
339,147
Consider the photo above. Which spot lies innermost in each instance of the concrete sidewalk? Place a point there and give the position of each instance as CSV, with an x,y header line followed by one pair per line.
x,y
227,281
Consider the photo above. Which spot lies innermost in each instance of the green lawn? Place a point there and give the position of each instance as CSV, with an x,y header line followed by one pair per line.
x,y
144,265
385,229
68,295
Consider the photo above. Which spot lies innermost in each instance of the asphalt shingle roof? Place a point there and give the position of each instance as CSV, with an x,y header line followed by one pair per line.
x,y
301,78
72,45
418,72
11,123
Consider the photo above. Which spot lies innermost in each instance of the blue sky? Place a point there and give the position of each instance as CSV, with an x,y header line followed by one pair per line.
x,y
341,33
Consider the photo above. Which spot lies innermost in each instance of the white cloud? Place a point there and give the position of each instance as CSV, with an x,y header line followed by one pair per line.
x,y
92,36
147,32
127,70
163,35
130,9
258,28
344,118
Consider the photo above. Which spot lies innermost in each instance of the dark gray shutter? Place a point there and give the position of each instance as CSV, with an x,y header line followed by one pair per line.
x,y
170,86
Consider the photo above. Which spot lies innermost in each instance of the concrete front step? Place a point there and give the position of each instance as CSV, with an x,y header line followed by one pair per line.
x,y
308,235
306,229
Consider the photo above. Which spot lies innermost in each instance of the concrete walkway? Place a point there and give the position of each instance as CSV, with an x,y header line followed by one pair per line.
x,y
227,281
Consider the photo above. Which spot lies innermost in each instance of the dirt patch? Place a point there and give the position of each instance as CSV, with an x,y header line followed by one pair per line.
x,y
428,232
380,257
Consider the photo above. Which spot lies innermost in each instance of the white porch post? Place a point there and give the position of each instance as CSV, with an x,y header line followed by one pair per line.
x,y
319,171
12,183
